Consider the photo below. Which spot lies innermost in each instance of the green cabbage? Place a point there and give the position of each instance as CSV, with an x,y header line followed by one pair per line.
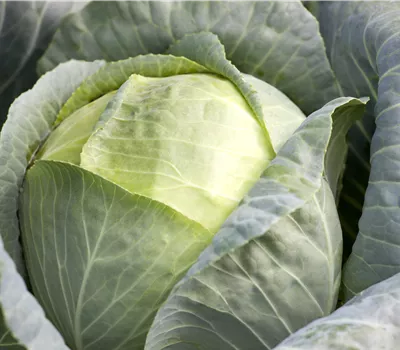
x,y
162,188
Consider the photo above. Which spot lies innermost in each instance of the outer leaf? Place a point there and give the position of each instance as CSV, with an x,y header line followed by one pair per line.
x,y
25,31
22,321
336,154
101,260
369,321
276,41
245,291
363,40
29,121
357,76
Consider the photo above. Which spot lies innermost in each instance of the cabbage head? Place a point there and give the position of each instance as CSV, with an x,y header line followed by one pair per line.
x,y
172,193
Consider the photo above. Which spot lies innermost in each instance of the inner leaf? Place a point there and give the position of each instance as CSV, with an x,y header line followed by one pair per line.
x,y
190,141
